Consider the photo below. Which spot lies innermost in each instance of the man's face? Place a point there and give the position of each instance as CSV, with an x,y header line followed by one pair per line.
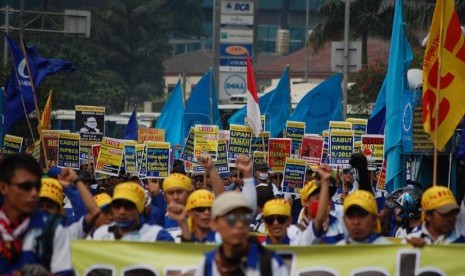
x,y
201,217
348,177
22,192
359,223
49,206
441,223
277,225
91,122
233,227
105,217
177,195
124,211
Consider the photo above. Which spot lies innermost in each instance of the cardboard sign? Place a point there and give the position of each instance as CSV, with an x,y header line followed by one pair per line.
x,y
294,175
240,139
260,157
110,157
90,123
341,146
68,150
373,149
150,134
130,157
381,184
260,143
187,153
312,149
295,131
51,147
325,157
359,126
221,163
158,159
12,144
206,140
279,150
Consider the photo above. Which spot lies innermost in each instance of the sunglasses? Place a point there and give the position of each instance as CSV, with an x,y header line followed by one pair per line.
x,y
271,219
201,209
127,205
28,186
231,219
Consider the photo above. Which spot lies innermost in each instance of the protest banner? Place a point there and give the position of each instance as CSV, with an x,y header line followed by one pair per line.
x,y
373,149
294,175
51,147
12,144
339,125
325,157
359,126
312,149
341,146
187,153
279,150
90,123
240,139
68,150
260,143
130,156
295,131
158,159
260,157
159,258
206,140
110,157
150,134
221,163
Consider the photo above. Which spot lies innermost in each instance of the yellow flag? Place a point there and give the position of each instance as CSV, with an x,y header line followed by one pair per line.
x,y
46,119
445,53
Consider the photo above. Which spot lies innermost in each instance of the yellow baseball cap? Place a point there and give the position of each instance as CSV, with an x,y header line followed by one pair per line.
x,y
52,189
440,199
132,192
102,200
177,180
200,198
308,189
277,206
364,200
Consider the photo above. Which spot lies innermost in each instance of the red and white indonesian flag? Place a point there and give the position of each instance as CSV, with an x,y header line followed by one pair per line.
x,y
253,109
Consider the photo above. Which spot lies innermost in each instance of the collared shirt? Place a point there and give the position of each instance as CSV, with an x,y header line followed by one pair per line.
x,y
332,232
374,238
211,238
422,232
146,233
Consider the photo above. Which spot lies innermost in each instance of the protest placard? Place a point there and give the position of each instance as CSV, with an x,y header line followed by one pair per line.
x,y
279,150
143,163
312,149
50,140
158,159
150,134
110,157
130,156
139,155
240,139
294,175
187,153
341,146
12,144
221,163
339,125
90,123
373,149
260,143
206,140
359,126
325,157
295,131
381,183
260,157
68,150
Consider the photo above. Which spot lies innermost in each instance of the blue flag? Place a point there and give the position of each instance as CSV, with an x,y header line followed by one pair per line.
x,y
320,105
202,106
171,117
130,133
18,87
400,56
377,121
238,118
279,106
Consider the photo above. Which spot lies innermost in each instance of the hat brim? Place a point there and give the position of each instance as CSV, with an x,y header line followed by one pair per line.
x,y
447,208
232,208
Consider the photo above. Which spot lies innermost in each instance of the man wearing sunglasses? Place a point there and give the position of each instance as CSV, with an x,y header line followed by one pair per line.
x,y
277,217
238,254
443,219
127,204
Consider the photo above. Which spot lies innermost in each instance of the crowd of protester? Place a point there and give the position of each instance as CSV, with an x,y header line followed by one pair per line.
x,y
240,212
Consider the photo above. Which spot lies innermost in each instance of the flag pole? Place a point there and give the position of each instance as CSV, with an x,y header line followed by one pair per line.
x,y
211,101
438,98
34,95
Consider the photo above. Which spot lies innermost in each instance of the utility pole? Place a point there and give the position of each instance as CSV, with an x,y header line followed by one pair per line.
x,y
307,11
345,78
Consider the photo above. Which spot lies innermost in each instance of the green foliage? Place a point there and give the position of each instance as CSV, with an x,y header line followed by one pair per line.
x,y
368,81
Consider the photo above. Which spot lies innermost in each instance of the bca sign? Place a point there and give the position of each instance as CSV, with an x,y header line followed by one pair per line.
x,y
232,84
237,7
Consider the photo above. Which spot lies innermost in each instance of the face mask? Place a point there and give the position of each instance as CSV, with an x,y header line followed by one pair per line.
x,y
313,208
263,176
125,224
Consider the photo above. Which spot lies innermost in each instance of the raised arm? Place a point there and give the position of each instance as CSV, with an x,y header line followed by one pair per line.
x,y
205,160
